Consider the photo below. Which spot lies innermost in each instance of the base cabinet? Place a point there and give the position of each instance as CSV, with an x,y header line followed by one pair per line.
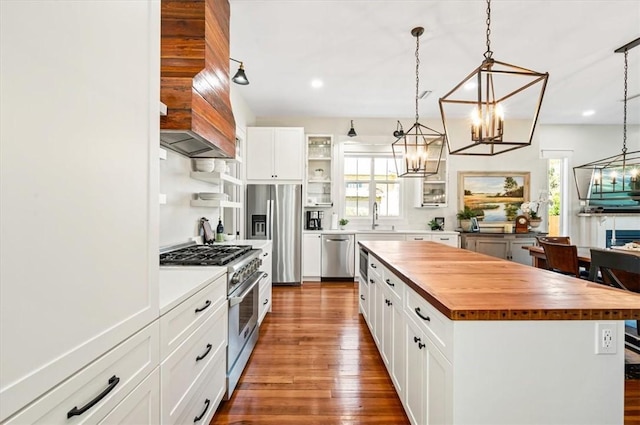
x,y
311,255
265,292
505,246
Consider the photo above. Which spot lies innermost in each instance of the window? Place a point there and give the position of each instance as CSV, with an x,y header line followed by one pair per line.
x,y
370,179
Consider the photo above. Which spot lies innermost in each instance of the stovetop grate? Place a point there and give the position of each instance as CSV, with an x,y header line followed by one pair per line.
x,y
203,255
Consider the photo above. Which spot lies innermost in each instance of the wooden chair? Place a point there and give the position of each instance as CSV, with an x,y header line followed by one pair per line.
x,y
617,269
561,258
555,239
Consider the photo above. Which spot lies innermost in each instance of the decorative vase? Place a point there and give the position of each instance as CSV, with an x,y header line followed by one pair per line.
x,y
465,225
534,223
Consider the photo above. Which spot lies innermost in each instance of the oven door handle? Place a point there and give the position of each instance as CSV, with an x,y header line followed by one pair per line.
x,y
255,279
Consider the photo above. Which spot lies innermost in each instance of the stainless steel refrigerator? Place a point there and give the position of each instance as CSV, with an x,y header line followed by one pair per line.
x,y
274,211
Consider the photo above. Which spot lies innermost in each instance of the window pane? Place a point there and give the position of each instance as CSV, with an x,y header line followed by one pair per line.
x,y
388,199
384,169
357,169
357,199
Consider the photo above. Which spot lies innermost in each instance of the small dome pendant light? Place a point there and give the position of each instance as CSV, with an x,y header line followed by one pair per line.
x,y
417,152
240,77
352,132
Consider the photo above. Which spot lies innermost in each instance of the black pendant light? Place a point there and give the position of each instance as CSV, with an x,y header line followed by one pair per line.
x,y
491,92
418,151
617,177
240,77
352,132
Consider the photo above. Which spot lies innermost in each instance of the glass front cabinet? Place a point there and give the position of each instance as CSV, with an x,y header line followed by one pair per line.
x,y
319,170
432,191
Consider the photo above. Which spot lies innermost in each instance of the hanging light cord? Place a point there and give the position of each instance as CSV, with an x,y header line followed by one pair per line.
x,y
417,74
488,54
624,122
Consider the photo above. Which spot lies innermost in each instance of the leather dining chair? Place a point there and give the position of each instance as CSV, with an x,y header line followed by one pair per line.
x,y
616,269
562,258
555,239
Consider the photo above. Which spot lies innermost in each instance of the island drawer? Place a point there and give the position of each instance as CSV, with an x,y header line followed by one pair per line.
x,y
394,285
435,325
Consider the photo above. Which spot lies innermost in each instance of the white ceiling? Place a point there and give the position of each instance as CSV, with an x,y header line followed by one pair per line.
x,y
363,51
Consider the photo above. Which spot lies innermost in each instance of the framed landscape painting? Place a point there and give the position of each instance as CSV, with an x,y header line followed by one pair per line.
x,y
494,196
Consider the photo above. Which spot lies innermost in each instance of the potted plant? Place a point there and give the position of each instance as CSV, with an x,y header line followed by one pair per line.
x,y
465,215
530,209
343,222
434,225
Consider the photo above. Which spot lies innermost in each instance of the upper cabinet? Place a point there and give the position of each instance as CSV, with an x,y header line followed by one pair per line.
x,y
432,191
194,74
275,153
319,170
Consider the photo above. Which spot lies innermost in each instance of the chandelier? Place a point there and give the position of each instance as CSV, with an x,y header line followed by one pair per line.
x,y
617,177
485,96
417,152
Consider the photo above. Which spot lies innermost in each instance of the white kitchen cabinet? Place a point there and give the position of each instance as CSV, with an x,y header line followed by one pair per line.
x,y
275,153
311,255
319,171
90,196
194,342
505,246
266,287
432,191
363,289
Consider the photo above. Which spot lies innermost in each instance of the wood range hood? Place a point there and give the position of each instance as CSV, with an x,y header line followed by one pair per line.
x,y
194,77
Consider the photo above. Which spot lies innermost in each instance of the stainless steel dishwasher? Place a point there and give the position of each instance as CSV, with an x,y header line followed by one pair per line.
x,y
337,256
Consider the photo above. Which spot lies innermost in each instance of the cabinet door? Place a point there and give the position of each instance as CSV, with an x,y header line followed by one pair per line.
x,y
520,255
398,362
260,152
288,158
438,386
89,198
414,397
387,330
494,247
311,252
363,286
379,316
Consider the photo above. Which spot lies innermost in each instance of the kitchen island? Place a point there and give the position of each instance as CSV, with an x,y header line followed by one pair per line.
x,y
473,339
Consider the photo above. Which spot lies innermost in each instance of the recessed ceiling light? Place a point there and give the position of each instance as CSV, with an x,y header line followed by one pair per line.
x,y
316,83
588,113
470,85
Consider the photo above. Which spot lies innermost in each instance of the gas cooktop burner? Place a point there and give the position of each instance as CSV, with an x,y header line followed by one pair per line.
x,y
203,255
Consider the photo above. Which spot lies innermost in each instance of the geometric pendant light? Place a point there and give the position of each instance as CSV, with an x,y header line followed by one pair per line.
x,y
617,177
482,101
417,152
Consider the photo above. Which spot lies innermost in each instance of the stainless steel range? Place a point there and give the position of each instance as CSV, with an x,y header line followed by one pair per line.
x,y
243,283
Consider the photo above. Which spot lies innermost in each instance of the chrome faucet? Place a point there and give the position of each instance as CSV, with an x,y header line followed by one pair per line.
x,y
375,216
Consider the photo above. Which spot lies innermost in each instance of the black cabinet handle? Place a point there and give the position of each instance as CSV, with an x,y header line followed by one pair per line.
x,y
362,297
207,402
428,319
265,275
113,381
265,254
416,339
206,305
371,281
373,266
389,283
206,353
266,301
420,345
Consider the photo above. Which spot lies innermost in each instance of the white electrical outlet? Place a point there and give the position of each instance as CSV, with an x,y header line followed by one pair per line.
x,y
606,340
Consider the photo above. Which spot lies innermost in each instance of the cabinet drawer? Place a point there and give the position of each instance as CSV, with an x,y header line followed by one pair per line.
x,y
180,322
142,406
375,266
435,325
264,300
394,285
181,371
202,404
418,237
451,240
108,380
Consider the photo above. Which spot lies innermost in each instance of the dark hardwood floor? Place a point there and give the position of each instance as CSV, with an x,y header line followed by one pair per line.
x,y
316,364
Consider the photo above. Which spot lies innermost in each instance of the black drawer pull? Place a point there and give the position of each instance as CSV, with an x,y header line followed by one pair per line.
x,y
266,301
206,353
420,345
362,297
373,266
113,381
389,283
416,339
265,254
207,402
206,305
428,319
372,281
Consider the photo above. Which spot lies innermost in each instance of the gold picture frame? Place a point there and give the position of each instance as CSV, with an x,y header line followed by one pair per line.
x,y
496,195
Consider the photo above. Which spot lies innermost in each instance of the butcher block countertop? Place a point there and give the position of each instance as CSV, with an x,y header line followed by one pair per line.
x,y
465,285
